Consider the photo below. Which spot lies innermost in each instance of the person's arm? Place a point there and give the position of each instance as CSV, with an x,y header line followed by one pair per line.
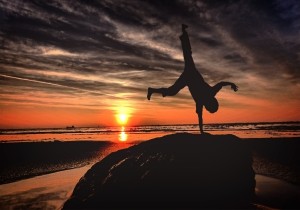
x,y
219,86
200,119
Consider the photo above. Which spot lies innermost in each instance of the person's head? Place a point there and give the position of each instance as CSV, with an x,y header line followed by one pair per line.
x,y
211,104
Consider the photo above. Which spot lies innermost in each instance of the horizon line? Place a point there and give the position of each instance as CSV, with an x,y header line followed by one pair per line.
x,y
97,126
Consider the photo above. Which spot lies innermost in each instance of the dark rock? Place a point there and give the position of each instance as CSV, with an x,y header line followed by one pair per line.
x,y
175,171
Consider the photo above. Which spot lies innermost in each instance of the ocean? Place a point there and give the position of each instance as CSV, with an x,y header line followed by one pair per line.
x,y
141,133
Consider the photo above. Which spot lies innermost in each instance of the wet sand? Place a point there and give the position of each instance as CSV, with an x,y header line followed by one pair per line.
x,y
277,193
28,159
52,190
274,157
42,192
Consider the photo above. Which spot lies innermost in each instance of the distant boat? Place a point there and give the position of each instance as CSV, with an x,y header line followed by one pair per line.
x,y
70,127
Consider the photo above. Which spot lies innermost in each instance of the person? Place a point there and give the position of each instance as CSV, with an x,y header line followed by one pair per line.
x,y
202,93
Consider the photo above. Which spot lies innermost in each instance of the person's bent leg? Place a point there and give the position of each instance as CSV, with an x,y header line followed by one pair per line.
x,y
170,91
176,87
155,90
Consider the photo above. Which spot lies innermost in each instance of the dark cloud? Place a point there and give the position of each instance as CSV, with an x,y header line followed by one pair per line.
x,y
210,42
234,57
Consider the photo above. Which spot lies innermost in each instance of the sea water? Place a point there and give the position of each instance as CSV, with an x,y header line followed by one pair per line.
x,y
146,132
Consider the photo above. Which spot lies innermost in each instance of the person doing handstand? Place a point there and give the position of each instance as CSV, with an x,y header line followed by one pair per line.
x,y
202,93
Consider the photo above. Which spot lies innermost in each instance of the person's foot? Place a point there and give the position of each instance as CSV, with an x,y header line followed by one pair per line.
x,y
150,91
183,27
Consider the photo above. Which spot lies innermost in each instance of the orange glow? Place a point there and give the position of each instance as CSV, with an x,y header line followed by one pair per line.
x,y
159,111
45,117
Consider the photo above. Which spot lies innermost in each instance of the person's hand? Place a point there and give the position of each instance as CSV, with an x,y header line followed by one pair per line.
x,y
234,87
205,133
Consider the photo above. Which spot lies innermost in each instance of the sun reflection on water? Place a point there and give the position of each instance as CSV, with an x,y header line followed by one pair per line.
x,y
123,135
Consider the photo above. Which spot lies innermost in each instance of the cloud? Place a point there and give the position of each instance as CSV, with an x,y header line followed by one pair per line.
x,y
115,50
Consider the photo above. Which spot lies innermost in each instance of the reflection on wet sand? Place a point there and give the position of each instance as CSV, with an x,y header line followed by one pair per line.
x,y
42,192
48,191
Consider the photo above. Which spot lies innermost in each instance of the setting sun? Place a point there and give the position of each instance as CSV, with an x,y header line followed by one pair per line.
x,y
123,112
122,119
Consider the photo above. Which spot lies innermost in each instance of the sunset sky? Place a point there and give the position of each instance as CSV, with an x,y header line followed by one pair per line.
x,y
83,62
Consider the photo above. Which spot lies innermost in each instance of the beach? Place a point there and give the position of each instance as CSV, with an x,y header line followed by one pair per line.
x,y
45,172
49,181
46,192
50,189
276,157
27,159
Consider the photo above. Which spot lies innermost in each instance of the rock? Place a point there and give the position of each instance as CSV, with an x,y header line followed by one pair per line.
x,y
175,171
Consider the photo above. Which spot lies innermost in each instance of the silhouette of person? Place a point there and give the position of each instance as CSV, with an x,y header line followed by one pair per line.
x,y
202,93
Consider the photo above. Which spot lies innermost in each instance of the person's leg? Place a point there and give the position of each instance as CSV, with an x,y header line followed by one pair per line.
x,y
155,90
170,91
189,65
186,49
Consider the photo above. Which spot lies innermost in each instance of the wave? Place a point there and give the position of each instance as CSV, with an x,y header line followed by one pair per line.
x,y
279,126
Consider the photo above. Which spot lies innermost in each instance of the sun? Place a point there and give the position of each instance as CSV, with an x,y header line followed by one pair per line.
x,y
122,114
122,118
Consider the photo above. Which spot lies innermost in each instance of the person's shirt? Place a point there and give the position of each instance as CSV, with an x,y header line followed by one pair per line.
x,y
198,88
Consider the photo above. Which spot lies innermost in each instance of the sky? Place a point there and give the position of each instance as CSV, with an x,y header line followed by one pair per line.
x,y
84,62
